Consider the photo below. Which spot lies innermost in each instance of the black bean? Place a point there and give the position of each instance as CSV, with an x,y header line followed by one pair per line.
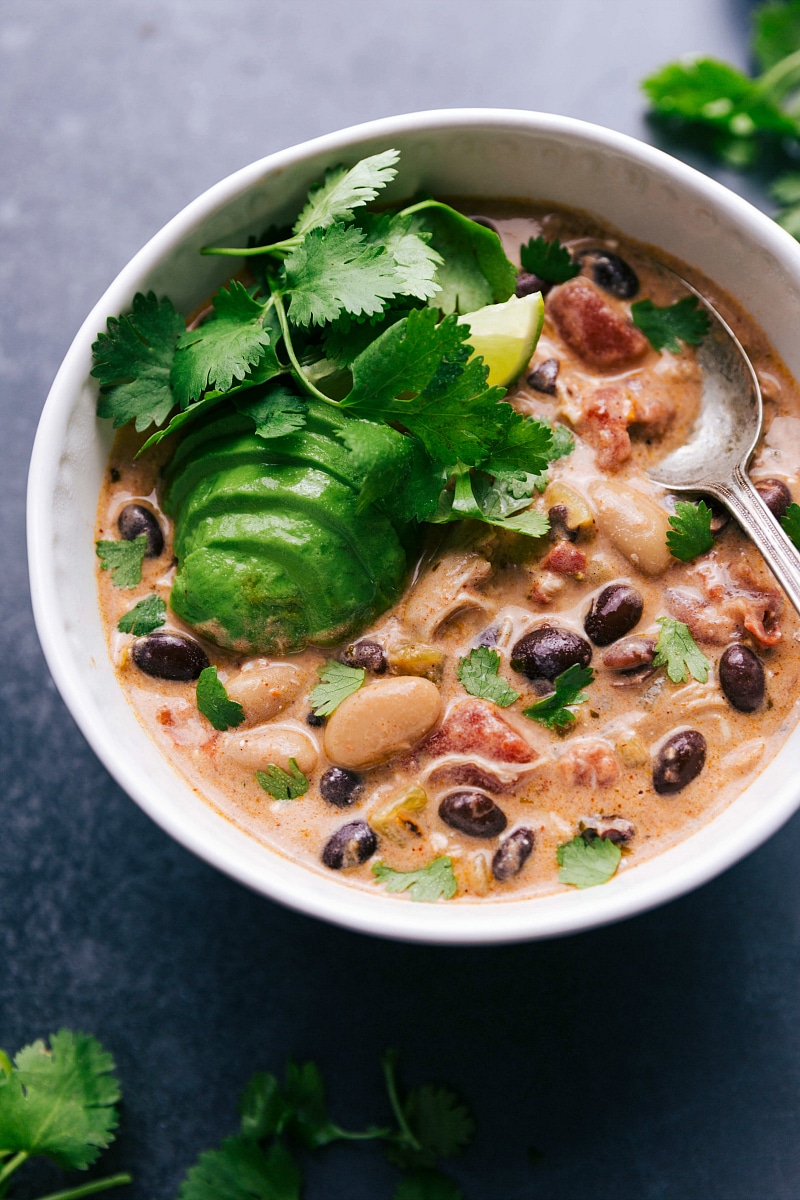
x,y
611,273
314,721
489,636
135,520
679,761
559,530
512,854
528,283
543,378
167,655
350,846
548,651
775,495
610,829
487,222
473,813
367,654
613,613
741,677
341,787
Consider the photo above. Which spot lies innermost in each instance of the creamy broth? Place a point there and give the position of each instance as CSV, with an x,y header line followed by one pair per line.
x,y
475,585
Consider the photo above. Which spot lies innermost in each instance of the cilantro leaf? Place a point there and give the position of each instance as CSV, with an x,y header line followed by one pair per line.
x,y
435,881
283,785
381,455
549,260
149,614
474,271
406,358
791,524
476,499
478,673
527,446
132,362
239,1170
427,1185
275,412
677,650
553,710
305,1099
263,1110
690,534
214,703
225,347
786,191
713,93
667,327
586,863
123,559
344,190
335,270
777,32
338,682
416,262
59,1103
442,1124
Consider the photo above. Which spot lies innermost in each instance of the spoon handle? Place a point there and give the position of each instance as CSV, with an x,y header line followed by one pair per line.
x,y
747,506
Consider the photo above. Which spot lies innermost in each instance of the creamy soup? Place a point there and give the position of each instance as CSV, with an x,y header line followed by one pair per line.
x,y
411,768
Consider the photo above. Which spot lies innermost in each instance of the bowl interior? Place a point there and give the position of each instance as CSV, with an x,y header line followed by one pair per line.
x,y
514,155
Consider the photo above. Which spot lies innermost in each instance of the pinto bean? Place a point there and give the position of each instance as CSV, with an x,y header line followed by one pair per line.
x,y
264,690
473,813
512,854
634,523
741,677
679,760
271,745
613,613
350,846
381,720
630,653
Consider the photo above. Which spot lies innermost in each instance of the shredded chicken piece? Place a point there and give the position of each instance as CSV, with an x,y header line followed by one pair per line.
x,y
474,727
446,588
589,763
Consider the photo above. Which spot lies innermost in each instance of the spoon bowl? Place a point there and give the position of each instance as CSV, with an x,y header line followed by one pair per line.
x,y
715,458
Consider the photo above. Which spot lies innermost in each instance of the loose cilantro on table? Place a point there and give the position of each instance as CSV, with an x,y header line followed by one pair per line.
x,y
554,710
549,260
435,881
59,1102
690,533
791,524
478,673
665,328
214,703
123,559
283,785
149,614
338,681
586,862
677,650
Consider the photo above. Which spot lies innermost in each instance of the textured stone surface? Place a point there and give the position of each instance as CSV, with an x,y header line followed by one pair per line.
x,y
656,1059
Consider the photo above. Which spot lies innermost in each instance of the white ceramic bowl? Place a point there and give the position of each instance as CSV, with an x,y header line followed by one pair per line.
x,y
643,192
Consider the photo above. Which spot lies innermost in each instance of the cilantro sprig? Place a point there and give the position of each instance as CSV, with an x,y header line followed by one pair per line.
x,y
58,1101
145,616
283,785
549,260
553,711
123,559
791,524
337,682
666,327
435,881
690,533
677,650
214,702
479,675
587,861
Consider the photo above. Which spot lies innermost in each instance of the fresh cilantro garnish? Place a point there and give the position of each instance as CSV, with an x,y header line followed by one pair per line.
x,y
144,617
58,1103
677,650
416,263
338,682
791,524
123,559
283,785
382,456
335,270
224,348
667,327
344,190
275,412
214,703
435,881
549,260
690,532
133,360
478,673
476,498
554,710
474,270
585,862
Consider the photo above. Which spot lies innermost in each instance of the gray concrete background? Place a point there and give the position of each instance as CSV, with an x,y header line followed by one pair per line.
x,y
656,1060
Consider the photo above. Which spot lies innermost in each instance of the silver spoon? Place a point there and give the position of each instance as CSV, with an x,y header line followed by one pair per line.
x,y
714,460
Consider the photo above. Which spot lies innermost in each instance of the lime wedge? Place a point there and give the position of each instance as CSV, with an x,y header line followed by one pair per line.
x,y
506,335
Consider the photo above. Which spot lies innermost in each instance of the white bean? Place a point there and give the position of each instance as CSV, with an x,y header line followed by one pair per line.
x,y
634,523
381,720
264,690
271,745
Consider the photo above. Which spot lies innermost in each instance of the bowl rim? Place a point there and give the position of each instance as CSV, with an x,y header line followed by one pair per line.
x,y
511,920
